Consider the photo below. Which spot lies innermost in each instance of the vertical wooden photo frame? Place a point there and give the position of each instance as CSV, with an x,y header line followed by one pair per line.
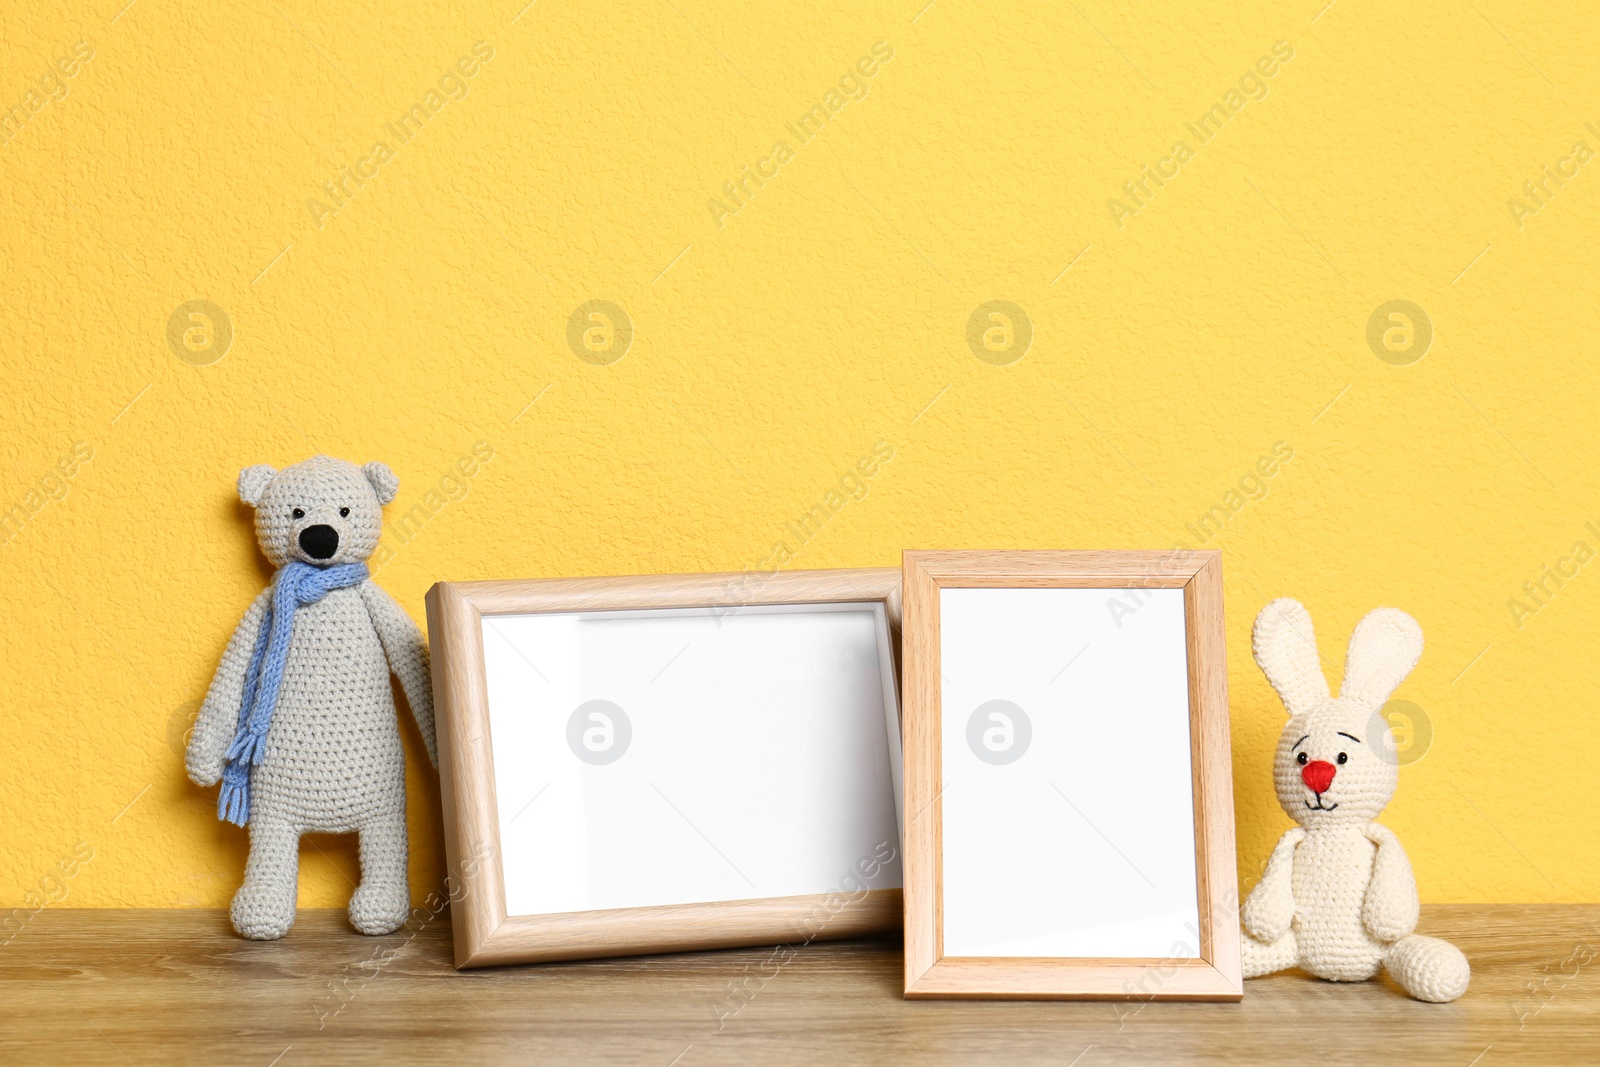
x,y
1069,798
665,763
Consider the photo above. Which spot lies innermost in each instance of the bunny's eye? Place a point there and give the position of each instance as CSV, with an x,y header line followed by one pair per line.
x,y
344,513
298,513
1343,758
1301,759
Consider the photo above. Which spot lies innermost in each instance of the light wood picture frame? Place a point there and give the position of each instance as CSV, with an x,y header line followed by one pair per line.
x,y
1131,730
783,781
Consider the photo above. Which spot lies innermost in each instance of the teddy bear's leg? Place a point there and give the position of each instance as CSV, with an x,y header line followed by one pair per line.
x,y
263,908
382,902
1427,968
1261,957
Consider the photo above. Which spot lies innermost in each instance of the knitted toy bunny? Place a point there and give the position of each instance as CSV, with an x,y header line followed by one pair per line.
x,y
1338,898
299,723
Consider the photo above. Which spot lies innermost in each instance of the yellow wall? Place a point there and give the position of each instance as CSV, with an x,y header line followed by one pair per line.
x,y
775,344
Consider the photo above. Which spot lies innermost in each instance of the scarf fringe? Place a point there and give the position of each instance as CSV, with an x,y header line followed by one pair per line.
x,y
233,803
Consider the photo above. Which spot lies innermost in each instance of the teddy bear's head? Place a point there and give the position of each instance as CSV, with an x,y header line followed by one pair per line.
x,y
321,511
1336,761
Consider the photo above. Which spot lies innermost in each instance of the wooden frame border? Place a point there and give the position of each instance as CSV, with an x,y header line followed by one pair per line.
x,y
1216,975
484,934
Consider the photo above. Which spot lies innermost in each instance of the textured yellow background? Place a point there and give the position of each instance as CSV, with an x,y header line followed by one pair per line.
x,y
772,351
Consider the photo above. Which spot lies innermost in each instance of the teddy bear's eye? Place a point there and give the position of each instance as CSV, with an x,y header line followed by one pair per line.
x,y
344,513
1343,758
298,513
1301,759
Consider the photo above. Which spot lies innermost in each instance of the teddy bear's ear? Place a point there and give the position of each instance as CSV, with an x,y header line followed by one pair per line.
x,y
1383,650
384,483
253,482
1285,648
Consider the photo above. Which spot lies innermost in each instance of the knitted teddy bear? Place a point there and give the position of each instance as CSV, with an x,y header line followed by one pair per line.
x,y
299,723
1338,898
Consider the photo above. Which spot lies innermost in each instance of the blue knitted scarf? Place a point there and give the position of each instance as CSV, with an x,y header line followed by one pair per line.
x,y
295,584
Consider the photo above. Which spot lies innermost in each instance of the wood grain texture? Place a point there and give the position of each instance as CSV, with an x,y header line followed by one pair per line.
x,y
164,987
1054,978
931,974
466,770
617,593
485,934
919,654
1212,755
582,935
1050,569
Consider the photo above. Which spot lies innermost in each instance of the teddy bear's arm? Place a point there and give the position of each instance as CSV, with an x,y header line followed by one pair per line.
x,y
219,713
407,650
1390,909
1269,910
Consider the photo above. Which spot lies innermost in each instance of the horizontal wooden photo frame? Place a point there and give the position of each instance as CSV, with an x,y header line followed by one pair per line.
x,y
636,765
1069,801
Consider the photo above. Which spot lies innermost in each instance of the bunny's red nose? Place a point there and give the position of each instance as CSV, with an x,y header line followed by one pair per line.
x,y
1318,775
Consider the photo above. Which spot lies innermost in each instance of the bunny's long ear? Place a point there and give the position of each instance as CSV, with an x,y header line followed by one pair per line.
x,y
1383,650
1285,647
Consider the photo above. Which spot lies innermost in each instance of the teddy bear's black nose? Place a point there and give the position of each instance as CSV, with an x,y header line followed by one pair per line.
x,y
319,542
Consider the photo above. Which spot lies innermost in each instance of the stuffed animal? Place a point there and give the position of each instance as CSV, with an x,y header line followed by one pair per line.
x,y
1338,898
299,723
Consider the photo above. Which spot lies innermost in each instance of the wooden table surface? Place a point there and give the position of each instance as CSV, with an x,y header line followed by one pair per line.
x,y
161,987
